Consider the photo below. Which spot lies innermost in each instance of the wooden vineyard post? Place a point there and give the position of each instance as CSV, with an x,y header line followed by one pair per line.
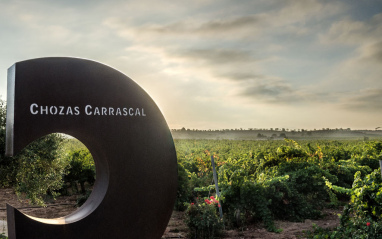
x,y
380,166
216,185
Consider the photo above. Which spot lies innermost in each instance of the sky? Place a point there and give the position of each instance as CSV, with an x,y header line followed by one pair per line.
x,y
208,64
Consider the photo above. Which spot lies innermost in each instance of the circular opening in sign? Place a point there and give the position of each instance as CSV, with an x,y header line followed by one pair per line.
x,y
55,176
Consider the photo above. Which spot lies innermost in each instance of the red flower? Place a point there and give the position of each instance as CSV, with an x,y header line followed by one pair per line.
x,y
214,200
368,224
219,205
207,201
192,203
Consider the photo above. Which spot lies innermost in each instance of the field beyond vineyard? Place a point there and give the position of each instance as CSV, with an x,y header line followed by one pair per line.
x,y
278,134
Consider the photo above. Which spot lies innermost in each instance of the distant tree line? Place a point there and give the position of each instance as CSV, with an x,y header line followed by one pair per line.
x,y
260,129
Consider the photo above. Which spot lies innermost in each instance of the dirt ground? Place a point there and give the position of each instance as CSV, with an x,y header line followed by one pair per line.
x,y
58,208
290,230
176,228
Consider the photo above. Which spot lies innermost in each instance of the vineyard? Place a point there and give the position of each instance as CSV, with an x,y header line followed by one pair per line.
x,y
261,181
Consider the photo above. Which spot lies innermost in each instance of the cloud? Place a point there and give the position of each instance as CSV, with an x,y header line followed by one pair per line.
x,y
351,32
216,56
230,24
372,53
289,17
226,45
271,91
206,28
195,29
368,100
360,66
239,75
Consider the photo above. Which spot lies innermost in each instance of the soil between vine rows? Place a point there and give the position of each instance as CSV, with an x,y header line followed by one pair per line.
x,y
291,230
176,227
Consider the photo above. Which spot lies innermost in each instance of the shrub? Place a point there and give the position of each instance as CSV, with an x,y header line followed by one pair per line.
x,y
361,218
40,169
203,220
35,171
184,192
250,201
302,195
364,212
81,169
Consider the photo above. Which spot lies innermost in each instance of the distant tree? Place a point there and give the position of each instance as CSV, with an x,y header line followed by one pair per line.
x,y
261,136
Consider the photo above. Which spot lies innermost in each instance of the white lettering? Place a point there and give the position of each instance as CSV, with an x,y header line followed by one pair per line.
x,y
42,109
77,110
96,111
53,110
61,110
36,109
104,111
69,111
86,110
31,109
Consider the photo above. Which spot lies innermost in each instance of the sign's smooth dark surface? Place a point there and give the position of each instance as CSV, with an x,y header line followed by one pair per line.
x,y
125,132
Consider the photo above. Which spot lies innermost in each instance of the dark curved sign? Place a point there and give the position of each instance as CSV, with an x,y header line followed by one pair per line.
x,y
127,135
